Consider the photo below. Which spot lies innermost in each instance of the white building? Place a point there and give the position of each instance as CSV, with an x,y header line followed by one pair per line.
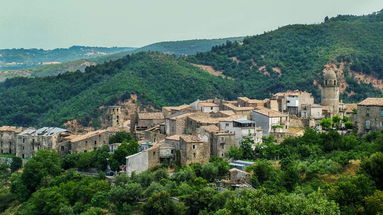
x,y
270,120
242,129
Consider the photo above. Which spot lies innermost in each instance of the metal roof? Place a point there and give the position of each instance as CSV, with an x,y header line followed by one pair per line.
x,y
45,131
244,121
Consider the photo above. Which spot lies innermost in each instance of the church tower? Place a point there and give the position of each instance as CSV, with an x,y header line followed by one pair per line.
x,y
330,92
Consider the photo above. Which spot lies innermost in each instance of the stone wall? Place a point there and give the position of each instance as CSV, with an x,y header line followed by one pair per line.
x,y
369,115
194,152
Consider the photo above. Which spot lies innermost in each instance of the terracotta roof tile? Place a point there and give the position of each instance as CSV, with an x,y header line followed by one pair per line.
x,y
269,112
372,102
190,138
151,115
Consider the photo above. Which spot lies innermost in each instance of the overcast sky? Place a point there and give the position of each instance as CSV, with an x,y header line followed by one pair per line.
x,y
63,23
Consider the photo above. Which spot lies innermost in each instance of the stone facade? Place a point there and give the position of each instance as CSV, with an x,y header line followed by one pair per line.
x,y
143,121
369,115
115,116
193,150
30,141
330,92
8,139
176,123
84,142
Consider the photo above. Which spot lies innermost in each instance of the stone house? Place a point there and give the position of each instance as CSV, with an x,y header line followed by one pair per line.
x,y
155,134
242,128
176,109
291,101
175,124
195,121
30,141
369,115
246,102
270,120
198,120
193,150
143,160
244,111
8,139
207,107
220,141
143,121
84,142
312,111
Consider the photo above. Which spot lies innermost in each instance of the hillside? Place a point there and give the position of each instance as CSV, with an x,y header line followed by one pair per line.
x,y
294,56
158,79
80,62
12,59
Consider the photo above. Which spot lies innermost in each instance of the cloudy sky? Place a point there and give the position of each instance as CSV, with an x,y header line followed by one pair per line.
x,y
63,23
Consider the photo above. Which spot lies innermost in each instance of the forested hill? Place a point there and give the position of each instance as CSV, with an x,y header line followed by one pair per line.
x,y
294,56
78,58
158,79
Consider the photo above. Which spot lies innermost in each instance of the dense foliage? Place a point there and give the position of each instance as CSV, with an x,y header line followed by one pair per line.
x,y
293,56
79,60
158,80
318,173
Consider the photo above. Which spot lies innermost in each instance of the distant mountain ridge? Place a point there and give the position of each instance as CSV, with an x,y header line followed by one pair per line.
x,y
11,59
179,48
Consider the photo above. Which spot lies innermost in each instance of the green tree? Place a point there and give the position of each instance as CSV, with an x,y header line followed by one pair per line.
x,y
121,137
16,164
247,149
374,203
373,166
349,192
43,164
326,123
234,153
336,120
161,204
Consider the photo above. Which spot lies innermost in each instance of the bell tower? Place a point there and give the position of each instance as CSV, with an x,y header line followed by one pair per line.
x,y
330,92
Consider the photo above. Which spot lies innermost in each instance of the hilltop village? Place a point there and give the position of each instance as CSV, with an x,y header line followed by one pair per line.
x,y
192,133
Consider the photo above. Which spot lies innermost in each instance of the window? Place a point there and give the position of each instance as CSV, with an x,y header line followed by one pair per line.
x,y
368,112
211,108
222,155
223,146
194,146
368,124
95,142
381,112
194,154
62,148
227,125
154,153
